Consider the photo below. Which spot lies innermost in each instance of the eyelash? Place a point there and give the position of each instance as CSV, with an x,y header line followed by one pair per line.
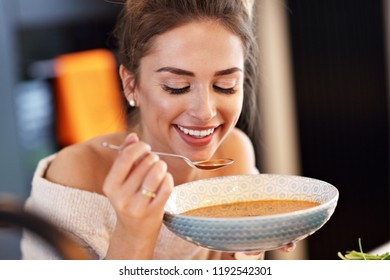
x,y
176,90
186,89
225,90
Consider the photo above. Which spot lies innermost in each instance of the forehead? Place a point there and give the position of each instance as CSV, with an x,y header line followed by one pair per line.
x,y
197,44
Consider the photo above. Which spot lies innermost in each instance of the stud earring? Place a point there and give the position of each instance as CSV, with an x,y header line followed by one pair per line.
x,y
132,103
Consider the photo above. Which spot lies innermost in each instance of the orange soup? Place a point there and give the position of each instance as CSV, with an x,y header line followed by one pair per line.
x,y
250,208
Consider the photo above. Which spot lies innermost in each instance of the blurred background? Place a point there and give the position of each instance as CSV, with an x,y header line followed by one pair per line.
x,y
324,110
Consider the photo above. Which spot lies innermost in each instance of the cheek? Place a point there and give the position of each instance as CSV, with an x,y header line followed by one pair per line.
x,y
234,109
156,106
230,114
162,106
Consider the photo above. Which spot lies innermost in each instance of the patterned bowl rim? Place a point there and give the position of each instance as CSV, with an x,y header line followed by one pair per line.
x,y
321,207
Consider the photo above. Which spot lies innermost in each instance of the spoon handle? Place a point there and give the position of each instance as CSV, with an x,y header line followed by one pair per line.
x,y
187,160
119,148
111,146
169,155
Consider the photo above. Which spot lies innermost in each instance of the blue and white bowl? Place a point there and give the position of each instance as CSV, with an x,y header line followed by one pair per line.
x,y
261,233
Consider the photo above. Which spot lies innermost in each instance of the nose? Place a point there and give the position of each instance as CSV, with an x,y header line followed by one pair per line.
x,y
202,105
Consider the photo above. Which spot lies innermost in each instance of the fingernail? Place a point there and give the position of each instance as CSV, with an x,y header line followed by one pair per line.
x,y
148,147
156,158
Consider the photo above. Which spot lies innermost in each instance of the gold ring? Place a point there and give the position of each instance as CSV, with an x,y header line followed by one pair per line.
x,y
148,193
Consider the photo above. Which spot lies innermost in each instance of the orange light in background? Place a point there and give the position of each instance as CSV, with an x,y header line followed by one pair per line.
x,y
88,96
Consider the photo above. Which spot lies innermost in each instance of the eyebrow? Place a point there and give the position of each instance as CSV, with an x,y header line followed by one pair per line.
x,y
178,71
228,71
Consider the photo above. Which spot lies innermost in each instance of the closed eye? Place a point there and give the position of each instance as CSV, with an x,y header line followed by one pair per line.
x,y
224,90
176,90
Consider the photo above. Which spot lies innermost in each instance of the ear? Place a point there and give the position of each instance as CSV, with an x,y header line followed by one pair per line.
x,y
128,82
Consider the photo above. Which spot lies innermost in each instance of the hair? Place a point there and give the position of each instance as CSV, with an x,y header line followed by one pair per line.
x,y
141,21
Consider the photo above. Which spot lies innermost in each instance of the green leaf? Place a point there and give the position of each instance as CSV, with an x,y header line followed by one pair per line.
x,y
360,255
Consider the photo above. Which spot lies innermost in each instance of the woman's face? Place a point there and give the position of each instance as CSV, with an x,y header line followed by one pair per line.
x,y
190,89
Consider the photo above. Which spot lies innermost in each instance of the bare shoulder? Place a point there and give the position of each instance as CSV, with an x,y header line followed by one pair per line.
x,y
82,166
238,137
239,147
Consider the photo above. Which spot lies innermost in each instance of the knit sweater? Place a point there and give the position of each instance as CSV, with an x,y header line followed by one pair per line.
x,y
90,219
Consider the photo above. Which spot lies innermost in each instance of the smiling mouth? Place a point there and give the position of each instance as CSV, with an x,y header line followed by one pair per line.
x,y
196,133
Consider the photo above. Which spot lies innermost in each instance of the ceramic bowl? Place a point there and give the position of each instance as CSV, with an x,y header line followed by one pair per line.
x,y
259,233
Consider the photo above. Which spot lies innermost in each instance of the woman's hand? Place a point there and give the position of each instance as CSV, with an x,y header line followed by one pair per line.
x,y
289,247
138,186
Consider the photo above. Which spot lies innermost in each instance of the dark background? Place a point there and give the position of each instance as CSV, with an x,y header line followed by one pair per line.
x,y
340,74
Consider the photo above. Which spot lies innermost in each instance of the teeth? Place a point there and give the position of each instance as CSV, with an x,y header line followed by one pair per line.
x,y
196,133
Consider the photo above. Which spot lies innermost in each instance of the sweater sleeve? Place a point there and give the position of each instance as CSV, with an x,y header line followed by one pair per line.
x,y
86,216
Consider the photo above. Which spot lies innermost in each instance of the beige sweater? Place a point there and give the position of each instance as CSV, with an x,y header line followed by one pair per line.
x,y
90,218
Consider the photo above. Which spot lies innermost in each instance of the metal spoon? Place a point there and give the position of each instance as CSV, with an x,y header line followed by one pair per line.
x,y
204,165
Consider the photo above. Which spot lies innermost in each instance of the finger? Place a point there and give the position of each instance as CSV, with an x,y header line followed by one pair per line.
x,y
126,195
152,182
163,192
125,162
289,247
129,157
130,139
126,198
137,176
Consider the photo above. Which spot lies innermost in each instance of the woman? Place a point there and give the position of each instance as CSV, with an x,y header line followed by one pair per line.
x,y
186,71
